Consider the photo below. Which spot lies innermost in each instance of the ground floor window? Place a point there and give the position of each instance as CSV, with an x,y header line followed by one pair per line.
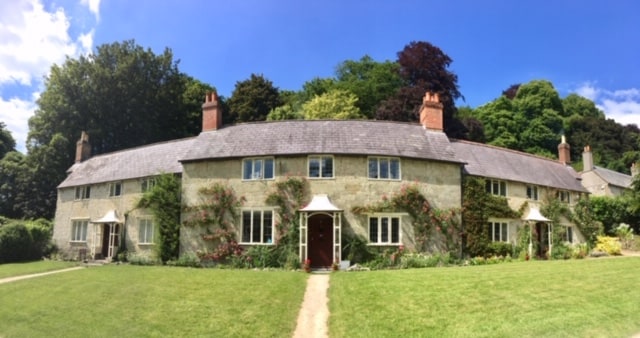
x,y
79,230
257,227
498,231
568,235
145,231
384,229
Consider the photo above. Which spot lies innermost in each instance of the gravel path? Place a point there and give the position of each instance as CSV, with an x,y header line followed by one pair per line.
x,y
314,313
17,278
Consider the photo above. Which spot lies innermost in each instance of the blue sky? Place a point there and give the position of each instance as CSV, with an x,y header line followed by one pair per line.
x,y
587,47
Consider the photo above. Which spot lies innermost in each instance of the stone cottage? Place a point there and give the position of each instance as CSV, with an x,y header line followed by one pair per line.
x,y
604,182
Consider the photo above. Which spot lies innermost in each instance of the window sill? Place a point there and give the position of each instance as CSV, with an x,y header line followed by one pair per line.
x,y
256,243
258,179
78,242
146,244
384,244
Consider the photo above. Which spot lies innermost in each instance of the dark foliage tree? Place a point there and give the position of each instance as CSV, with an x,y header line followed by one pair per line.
x,y
13,168
576,105
423,67
252,100
7,142
511,92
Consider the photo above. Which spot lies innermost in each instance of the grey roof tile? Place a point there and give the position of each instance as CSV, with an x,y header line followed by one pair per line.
x,y
614,177
294,137
128,164
506,164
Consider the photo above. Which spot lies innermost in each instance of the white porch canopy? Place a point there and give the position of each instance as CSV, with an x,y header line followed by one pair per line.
x,y
113,220
534,216
320,204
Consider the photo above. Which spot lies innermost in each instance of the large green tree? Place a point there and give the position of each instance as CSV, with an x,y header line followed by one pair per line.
x,y
423,67
252,100
123,95
334,104
7,142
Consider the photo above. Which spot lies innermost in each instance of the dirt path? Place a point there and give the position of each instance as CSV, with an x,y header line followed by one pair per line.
x,y
17,278
314,313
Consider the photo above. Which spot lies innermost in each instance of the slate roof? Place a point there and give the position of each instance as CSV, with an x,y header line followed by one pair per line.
x,y
131,163
506,164
613,177
297,137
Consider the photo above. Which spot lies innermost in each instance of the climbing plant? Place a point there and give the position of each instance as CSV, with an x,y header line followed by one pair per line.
x,y
163,199
430,225
216,214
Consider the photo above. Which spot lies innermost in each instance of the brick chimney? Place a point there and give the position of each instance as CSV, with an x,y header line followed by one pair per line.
x,y
587,159
431,112
83,148
635,169
211,112
564,155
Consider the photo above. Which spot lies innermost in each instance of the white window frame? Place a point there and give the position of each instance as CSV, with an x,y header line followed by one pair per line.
x,y
492,187
569,233
378,163
379,220
562,194
258,174
492,231
147,184
321,170
532,192
263,239
79,228
83,192
146,231
115,189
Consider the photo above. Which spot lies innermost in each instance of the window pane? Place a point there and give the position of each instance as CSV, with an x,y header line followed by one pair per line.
x,y
495,188
496,231
490,231
487,186
504,232
503,188
327,167
384,168
314,167
395,230
87,192
384,230
246,226
268,168
257,170
394,169
373,230
267,236
247,169
257,224
373,168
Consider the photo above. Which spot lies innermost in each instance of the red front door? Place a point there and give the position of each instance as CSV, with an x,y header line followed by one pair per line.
x,y
320,241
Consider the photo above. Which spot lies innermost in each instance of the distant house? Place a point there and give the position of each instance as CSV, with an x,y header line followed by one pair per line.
x,y
604,182
347,164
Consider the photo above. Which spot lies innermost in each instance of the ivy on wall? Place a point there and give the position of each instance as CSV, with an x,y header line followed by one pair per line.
x,y
163,199
431,226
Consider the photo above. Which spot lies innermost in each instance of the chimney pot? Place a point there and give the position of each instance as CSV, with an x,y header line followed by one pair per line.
x,y
564,154
587,159
211,112
83,147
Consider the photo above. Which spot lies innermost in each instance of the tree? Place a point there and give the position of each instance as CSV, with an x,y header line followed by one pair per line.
x,y
423,67
252,100
122,95
511,92
335,104
7,143
12,168
576,105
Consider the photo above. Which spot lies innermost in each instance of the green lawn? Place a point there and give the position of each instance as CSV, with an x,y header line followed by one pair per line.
x,y
133,301
18,269
576,298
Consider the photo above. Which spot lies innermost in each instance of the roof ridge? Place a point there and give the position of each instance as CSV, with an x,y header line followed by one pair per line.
x,y
416,123
505,149
611,170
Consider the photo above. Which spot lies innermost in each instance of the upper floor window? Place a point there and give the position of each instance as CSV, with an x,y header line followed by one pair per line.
x,y
564,196
257,227
498,231
384,168
147,184
384,229
79,230
532,192
83,193
145,231
115,189
257,168
321,166
495,187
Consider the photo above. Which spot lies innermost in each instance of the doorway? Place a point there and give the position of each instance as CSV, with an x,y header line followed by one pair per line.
x,y
320,237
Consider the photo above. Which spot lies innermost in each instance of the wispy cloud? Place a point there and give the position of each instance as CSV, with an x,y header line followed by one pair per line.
x,y
622,105
32,39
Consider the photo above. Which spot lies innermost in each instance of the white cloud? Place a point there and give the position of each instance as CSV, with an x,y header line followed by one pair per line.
x,y
622,105
32,39
94,7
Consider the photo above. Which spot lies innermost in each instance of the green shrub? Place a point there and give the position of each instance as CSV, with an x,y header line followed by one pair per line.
x,y
186,260
608,245
15,243
499,249
142,259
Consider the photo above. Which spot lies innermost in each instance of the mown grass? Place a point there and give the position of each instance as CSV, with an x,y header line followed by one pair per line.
x,y
133,301
576,298
19,269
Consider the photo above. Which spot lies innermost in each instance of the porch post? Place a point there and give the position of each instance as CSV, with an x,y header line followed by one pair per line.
x,y
337,238
303,237
530,239
550,230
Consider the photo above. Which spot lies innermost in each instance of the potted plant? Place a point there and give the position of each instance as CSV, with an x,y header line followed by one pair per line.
x,y
307,265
